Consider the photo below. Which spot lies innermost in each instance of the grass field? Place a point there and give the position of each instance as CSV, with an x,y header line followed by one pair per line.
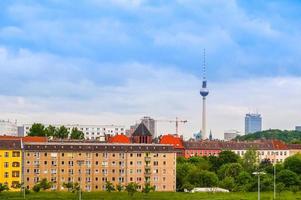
x,y
154,195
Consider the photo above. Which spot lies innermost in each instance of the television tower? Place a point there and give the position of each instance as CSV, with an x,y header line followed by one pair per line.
x,y
204,92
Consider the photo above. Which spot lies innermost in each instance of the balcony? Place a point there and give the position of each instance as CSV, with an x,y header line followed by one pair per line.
x,y
147,159
147,173
147,167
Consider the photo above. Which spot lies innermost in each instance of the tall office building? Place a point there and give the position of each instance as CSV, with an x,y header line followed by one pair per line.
x,y
150,124
253,123
298,128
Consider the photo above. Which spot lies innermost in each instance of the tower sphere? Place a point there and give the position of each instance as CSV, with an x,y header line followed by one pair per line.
x,y
204,92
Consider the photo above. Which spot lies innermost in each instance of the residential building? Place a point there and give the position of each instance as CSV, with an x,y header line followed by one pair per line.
x,y
10,163
92,164
201,148
174,140
8,128
230,135
253,123
92,132
298,128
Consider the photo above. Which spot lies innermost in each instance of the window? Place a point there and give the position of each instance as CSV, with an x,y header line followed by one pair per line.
x,y
6,165
6,154
5,174
16,164
15,174
156,163
16,154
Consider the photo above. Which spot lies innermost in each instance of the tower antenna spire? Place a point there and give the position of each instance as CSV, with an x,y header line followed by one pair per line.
x,y
204,64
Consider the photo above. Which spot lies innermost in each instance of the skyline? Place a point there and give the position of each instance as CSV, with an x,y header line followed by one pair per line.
x,y
117,61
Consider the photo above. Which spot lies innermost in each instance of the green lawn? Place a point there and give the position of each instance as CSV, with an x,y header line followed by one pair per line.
x,y
151,196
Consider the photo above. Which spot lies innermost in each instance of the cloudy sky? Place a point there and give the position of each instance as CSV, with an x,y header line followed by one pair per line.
x,y
114,61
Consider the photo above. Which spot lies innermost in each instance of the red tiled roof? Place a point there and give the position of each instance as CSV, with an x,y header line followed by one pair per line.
x,y
119,139
176,141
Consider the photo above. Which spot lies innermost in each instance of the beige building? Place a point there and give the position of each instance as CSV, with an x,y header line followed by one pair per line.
x,y
92,164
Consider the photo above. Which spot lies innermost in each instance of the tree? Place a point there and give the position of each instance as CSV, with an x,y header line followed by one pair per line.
x,y
119,187
183,170
230,169
249,160
187,186
3,187
266,165
280,188
36,187
148,188
243,181
288,178
109,186
68,185
293,163
44,184
199,162
37,129
77,134
132,188
76,187
228,183
203,178
266,182
61,133
50,131
228,157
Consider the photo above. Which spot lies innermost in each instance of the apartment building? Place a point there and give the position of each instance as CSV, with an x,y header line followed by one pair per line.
x,y
92,164
92,132
10,163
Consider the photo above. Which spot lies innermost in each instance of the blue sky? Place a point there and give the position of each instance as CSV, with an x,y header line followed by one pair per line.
x,y
111,61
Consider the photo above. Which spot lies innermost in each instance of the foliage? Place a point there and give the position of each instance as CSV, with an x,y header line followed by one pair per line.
x,y
286,136
203,178
119,187
250,160
199,162
288,178
148,188
227,183
109,186
293,163
36,187
61,133
68,185
280,188
3,187
230,169
44,184
187,186
50,131
131,188
77,134
37,129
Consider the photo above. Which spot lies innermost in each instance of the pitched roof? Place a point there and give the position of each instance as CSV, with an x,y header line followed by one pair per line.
x,y
119,139
141,130
25,139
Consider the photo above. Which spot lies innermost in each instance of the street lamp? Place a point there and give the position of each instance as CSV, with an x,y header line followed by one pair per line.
x,y
258,175
80,163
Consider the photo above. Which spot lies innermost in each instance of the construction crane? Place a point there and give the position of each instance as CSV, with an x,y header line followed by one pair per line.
x,y
177,121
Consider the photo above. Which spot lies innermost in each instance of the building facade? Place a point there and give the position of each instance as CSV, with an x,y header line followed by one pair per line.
x,y
230,135
10,163
253,123
92,132
298,128
92,164
8,128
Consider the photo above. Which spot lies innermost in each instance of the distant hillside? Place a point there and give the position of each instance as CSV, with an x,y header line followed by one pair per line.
x,y
286,136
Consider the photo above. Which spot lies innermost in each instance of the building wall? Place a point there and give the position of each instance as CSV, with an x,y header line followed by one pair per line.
x,y
10,168
275,156
93,132
8,128
117,167
201,152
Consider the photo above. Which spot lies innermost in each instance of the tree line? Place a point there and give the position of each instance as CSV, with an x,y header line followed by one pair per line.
x,y
61,132
231,172
287,136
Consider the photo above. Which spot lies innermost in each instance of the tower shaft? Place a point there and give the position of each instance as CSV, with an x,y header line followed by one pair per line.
x,y
204,119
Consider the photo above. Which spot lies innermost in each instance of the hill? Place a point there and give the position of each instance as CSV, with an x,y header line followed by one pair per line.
x,y
286,136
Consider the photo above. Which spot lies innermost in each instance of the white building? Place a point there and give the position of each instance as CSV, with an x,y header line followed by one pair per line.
x,y
230,134
92,132
8,128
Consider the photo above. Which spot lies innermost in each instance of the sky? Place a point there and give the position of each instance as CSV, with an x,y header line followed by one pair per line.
x,y
115,61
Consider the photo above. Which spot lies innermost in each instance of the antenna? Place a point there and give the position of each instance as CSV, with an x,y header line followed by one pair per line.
x,y
204,64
